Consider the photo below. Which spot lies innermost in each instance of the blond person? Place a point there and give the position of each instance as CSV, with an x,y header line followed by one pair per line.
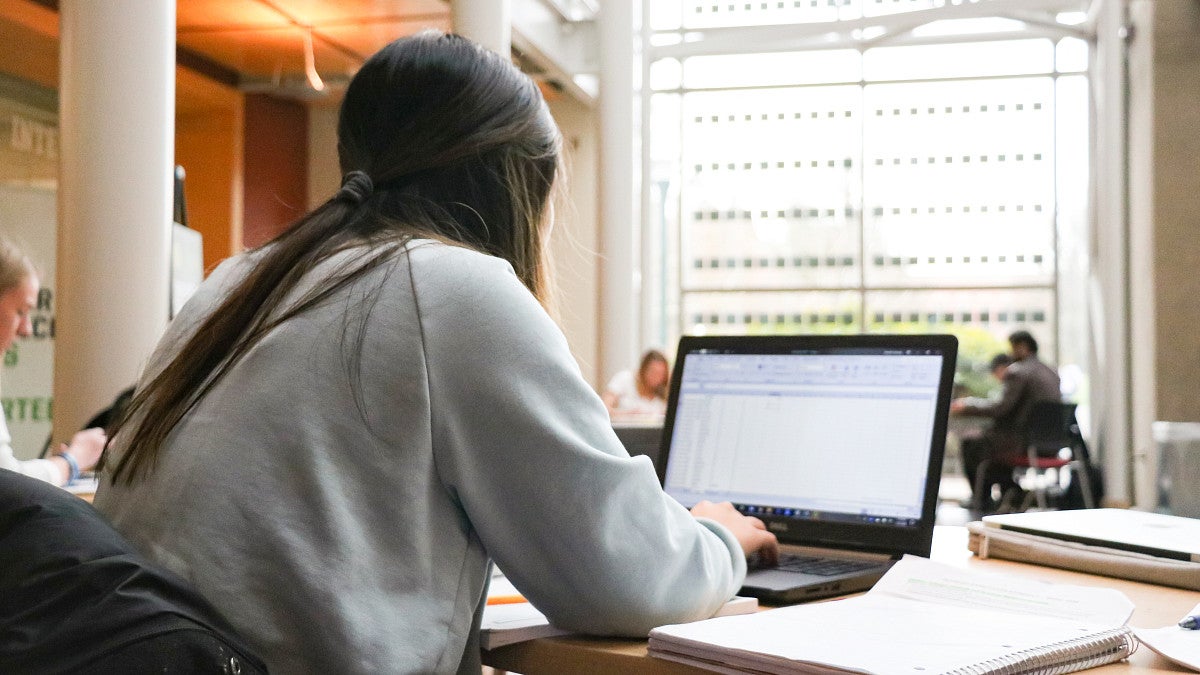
x,y
644,393
18,297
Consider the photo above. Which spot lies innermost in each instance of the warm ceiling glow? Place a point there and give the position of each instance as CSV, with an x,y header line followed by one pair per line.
x,y
310,66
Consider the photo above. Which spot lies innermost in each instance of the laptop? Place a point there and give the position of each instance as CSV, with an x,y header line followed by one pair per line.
x,y
1156,534
834,441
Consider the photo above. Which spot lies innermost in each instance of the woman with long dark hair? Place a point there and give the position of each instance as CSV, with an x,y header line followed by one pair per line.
x,y
343,426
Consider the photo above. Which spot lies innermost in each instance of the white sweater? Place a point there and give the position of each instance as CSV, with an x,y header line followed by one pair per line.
x,y
351,534
41,469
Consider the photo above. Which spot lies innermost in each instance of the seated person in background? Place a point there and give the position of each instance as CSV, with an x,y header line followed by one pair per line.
x,y
344,428
643,394
1025,381
76,598
998,365
18,297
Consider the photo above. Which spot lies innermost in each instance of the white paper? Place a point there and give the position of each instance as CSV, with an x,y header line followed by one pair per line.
x,y
504,624
515,622
922,617
1177,644
921,579
82,486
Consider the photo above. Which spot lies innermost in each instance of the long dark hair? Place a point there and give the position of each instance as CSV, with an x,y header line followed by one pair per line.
x,y
441,139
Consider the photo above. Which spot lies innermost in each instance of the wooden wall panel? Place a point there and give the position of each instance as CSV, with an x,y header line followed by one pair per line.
x,y
275,164
209,148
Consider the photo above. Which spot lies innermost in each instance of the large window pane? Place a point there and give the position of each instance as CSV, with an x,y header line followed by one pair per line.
x,y
982,320
720,13
978,59
959,182
770,187
758,70
772,312
939,187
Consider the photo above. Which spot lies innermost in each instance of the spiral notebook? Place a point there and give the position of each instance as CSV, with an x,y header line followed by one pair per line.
x,y
922,617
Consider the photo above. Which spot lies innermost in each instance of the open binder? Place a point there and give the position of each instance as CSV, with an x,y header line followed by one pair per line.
x,y
921,617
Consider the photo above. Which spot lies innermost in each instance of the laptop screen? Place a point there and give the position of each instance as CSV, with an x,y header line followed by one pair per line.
x,y
829,429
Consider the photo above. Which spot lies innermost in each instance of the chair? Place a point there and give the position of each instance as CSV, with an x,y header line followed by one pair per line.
x,y
1053,441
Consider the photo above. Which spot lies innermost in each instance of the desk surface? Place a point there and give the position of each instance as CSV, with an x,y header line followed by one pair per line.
x,y
1154,606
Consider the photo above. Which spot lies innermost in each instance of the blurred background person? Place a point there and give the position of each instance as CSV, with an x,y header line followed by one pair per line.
x,y
18,297
1026,380
643,394
998,365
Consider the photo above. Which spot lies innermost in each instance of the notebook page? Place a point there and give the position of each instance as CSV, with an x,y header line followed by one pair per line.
x,y
872,634
922,617
921,579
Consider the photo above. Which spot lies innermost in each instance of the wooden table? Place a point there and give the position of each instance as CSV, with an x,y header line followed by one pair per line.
x,y
1154,606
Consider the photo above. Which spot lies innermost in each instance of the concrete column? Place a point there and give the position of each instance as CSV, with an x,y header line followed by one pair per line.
x,y
620,163
1141,465
1164,172
488,22
117,110
1109,255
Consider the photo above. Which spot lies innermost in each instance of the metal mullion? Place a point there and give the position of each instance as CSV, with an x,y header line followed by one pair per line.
x,y
853,289
862,196
1057,221
686,49
680,320
859,82
762,34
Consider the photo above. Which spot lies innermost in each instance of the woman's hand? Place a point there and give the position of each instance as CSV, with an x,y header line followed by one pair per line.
x,y
86,447
751,532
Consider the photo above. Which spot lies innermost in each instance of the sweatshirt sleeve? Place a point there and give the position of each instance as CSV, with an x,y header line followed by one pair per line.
x,y
41,469
526,447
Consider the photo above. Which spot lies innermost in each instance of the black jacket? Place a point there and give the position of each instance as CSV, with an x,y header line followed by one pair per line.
x,y
73,592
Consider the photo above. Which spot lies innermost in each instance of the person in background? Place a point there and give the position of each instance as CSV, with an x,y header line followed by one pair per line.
x,y
1025,381
18,298
343,429
998,365
642,394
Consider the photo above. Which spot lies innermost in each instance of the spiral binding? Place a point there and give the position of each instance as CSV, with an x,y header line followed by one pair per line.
x,y
1061,657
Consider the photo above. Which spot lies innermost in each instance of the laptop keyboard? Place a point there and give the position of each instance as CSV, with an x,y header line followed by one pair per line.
x,y
825,567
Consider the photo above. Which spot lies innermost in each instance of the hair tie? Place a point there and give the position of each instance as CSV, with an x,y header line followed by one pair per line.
x,y
356,187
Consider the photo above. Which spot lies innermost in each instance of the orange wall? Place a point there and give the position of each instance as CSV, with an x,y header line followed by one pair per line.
x,y
209,148
275,165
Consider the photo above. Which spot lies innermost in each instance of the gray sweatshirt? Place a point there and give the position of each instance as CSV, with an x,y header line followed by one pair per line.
x,y
341,511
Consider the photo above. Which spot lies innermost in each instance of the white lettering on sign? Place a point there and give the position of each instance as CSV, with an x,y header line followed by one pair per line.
x,y
33,137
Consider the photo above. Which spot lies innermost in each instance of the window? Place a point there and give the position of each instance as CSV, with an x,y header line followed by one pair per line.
x,y
876,166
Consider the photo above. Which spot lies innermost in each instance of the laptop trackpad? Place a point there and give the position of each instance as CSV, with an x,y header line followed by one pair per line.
x,y
776,579
776,585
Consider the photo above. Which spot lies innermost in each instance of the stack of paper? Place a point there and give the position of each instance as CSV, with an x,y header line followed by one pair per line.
x,y
1177,644
921,617
508,618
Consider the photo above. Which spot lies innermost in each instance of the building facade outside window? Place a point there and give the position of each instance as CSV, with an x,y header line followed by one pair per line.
x,y
845,166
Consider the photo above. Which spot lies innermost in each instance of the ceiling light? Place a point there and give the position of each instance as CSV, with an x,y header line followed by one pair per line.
x,y
310,65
